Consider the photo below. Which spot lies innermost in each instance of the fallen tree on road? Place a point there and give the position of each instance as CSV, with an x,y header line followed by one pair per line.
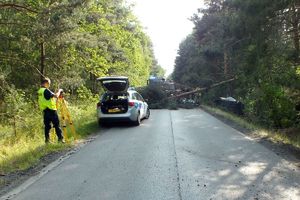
x,y
202,89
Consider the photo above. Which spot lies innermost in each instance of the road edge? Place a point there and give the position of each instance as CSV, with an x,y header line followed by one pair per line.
x,y
287,152
11,193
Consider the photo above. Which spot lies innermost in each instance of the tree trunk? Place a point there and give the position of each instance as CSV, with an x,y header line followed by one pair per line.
x,y
197,90
295,25
42,60
225,63
93,82
15,126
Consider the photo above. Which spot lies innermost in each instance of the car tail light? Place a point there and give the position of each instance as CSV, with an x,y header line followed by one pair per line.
x,y
131,104
98,105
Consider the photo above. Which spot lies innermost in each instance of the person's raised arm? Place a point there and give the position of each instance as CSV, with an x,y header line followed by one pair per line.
x,y
56,95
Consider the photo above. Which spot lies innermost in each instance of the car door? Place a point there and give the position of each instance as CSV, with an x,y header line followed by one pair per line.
x,y
143,106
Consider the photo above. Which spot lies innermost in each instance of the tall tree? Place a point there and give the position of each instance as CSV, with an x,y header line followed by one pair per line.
x,y
255,40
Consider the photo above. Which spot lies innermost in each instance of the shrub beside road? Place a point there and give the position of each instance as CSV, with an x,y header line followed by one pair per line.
x,y
27,147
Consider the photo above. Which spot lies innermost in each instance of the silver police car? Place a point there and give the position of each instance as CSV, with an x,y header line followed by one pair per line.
x,y
120,103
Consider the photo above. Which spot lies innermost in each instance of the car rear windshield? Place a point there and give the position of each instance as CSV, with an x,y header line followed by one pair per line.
x,y
113,97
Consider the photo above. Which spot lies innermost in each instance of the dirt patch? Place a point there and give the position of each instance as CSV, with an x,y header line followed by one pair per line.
x,y
286,151
12,180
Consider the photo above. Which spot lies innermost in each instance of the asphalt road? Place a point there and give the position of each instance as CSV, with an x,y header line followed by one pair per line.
x,y
184,154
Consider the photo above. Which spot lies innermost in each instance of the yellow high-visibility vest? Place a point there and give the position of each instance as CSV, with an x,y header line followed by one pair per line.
x,y
44,103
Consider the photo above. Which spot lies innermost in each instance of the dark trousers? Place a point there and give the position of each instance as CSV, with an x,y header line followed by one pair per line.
x,y
50,116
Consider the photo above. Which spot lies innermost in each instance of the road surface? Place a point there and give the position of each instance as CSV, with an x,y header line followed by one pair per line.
x,y
180,155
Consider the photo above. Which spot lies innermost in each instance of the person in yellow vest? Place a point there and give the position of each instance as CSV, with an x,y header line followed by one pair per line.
x,y
47,103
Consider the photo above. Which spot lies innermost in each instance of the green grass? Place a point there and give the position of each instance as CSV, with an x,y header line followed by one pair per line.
x,y
286,136
28,147
25,153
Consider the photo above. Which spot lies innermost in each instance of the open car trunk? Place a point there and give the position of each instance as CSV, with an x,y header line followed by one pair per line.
x,y
115,84
113,103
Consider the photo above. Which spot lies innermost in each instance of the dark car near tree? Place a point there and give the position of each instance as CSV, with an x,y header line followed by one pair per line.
x,y
230,104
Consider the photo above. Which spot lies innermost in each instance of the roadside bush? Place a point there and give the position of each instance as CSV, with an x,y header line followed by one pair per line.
x,y
172,105
19,115
83,93
22,132
267,104
155,97
188,105
270,106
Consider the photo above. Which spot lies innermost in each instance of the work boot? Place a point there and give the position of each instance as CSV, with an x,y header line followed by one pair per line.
x,y
62,141
48,142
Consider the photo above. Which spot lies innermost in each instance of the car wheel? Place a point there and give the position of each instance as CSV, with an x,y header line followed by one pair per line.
x,y
147,114
102,124
138,120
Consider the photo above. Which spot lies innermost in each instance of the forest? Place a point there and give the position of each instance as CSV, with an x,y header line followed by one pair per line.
x,y
73,42
254,41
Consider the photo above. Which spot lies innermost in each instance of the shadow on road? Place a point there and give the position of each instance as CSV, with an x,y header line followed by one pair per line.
x,y
216,162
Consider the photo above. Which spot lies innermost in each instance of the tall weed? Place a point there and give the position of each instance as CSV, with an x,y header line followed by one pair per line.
x,y
22,132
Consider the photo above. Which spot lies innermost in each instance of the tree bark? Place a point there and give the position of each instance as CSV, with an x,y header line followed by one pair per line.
x,y
202,89
225,63
42,60
295,27
15,126
17,7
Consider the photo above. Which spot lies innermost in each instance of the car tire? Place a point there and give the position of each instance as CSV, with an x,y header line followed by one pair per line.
x,y
147,114
137,122
102,124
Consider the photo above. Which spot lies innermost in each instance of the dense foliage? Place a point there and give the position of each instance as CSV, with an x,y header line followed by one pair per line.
x,y
256,41
73,43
